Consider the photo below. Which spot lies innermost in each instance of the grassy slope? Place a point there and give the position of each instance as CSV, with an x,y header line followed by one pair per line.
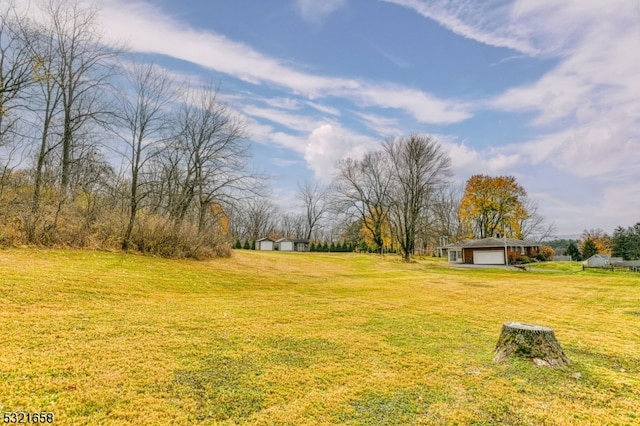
x,y
287,338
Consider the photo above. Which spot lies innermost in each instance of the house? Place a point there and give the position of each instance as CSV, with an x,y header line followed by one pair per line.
x,y
265,244
489,251
286,244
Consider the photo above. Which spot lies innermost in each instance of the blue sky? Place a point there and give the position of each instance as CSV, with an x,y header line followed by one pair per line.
x,y
544,90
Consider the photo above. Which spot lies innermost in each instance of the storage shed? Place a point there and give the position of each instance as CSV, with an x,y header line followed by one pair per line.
x,y
286,244
265,244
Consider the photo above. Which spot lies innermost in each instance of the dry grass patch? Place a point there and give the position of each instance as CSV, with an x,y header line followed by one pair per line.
x,y
290,338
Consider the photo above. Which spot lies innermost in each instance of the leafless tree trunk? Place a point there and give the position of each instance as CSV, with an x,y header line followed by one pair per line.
x,y
211,148
364,188
143,115
17,70
313,198
17,77
444,211
260,218
27,45
420,170
293,225
81,69
534,226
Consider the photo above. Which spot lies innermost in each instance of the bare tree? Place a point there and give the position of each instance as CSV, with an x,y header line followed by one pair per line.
x,y
363,188
444,210
313,199
44,116
16,77
534,226
80,67
293,225
142,125
212,155
420,170
260,218
17,69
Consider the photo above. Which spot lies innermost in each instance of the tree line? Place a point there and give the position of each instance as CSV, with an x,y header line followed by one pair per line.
x,y
98,149
398,199
623,243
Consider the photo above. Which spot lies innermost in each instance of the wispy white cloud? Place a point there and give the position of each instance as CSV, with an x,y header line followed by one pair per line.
x,y
326,109
283,103
382,125
480,21
586,106
315,11
297,122
149,30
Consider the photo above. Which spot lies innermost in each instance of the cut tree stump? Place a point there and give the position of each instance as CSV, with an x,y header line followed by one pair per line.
x,y
535,342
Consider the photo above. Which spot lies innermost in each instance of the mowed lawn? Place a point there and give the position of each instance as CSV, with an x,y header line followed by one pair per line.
x,y
306,339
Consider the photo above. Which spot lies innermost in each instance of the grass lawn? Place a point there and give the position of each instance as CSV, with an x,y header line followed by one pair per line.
x,y
295,339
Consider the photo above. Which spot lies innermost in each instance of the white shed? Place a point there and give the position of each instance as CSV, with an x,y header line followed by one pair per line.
x,y
598,260
285,244
264,244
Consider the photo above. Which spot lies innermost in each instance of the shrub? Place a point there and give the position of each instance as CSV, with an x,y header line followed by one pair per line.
x,y
161,237
546,254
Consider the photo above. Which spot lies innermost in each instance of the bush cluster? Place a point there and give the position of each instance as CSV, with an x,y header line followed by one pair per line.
x,y
74,222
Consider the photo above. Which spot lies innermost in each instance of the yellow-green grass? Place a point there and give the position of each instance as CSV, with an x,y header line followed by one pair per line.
x,y
293,339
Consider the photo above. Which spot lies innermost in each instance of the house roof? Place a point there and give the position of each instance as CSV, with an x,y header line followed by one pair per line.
x,y
294,240
264,239
492,242
604,257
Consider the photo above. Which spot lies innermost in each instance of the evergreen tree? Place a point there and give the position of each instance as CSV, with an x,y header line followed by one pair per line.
x,y
332,247
572,250
633,251
620,243
238,244
325,247
589,249
246,245
626,242
312,247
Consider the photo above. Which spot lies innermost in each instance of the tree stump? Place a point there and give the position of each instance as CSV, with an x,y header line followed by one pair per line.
x,y
530,341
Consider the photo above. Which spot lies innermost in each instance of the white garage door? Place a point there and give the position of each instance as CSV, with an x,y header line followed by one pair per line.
x,y
494,257
286,246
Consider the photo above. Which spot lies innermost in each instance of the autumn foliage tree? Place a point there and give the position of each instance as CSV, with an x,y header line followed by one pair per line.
x,y
492,205
594,241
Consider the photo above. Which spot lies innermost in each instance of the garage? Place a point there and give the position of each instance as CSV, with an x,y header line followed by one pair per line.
x,y
488,257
